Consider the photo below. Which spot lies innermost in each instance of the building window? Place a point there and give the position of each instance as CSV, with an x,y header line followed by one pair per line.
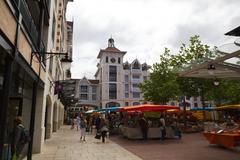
x,y
136,76
144,68
112,73
126,87
195,98
53,28
94,97
107,59
136,65
94,89
144,78
195,105
126,104
136,95
135,85
126,95
51,64
126,78
112,91
119,60
84,97
83,88
136,103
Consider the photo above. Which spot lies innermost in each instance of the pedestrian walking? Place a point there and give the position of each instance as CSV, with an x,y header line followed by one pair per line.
x,y
78,121
83,125
162,127
97,122
103,129
19,138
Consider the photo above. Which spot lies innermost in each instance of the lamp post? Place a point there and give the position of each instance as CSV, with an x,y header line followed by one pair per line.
x,y
201,93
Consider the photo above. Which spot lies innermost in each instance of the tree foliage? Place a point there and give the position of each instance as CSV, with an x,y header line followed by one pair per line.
x,y
161,86
165,84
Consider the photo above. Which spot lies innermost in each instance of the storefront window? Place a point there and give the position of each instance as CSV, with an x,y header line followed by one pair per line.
x,y
19,104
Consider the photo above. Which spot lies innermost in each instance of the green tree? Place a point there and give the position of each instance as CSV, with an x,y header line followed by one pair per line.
x,y
165,84
162,86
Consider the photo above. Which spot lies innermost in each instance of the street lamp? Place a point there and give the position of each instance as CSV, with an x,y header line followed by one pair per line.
x,y
211,68
216,82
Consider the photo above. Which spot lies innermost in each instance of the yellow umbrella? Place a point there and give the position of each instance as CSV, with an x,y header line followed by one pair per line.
x,y
234,106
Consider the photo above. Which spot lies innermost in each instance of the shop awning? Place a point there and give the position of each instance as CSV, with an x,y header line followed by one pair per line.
x,y
148,108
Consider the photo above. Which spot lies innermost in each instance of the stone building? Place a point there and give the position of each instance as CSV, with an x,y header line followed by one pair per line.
x,y
32,45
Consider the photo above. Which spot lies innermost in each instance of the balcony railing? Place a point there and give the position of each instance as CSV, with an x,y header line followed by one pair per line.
x,y
136,71
133,89
28,21
30,26
133,80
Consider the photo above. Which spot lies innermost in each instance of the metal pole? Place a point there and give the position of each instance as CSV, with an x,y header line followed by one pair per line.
x,y
184,112
32,121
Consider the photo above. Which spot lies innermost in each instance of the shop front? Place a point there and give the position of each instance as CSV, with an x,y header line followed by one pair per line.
x,y
18,87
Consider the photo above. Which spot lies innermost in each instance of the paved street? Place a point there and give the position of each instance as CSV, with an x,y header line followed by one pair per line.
x,y
65,145
190,147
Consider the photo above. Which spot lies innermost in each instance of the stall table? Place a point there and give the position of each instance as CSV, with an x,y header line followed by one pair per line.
x,y
135,133
228,140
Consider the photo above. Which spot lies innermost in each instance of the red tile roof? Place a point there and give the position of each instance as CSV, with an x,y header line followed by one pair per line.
x,y
112,49
93,81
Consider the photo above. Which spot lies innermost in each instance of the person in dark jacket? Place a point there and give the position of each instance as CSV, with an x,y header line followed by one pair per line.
x,y
144,127
16,144
97,123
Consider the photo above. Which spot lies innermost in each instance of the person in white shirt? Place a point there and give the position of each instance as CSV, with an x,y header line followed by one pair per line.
x,y
162,127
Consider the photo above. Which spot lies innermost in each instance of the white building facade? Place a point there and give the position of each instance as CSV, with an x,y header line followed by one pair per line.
x,y
118,81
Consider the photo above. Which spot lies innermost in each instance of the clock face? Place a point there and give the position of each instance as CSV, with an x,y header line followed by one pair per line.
x,y
113,60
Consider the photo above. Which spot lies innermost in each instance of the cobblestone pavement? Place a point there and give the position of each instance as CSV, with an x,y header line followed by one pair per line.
x,y
191,147
66,145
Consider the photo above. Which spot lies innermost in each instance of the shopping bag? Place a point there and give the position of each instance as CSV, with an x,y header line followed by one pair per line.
x,y
98,135
14,157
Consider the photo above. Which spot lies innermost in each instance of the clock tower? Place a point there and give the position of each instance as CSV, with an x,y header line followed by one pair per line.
x,y
111,76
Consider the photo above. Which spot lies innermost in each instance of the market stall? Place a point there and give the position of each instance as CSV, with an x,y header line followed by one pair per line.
x,y
226,133
226,139
131,129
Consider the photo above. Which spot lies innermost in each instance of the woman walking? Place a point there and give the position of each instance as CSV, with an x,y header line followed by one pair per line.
x,y
103,129
82,126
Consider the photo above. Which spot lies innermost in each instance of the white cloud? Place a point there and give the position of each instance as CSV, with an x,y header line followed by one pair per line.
x,y
144,27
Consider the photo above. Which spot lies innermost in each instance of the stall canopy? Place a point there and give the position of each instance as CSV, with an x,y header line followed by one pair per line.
x,y
202,109
226,107
148,108
90,111
111,109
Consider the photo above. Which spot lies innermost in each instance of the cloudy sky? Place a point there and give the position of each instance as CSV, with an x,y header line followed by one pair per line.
x,y
144,27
